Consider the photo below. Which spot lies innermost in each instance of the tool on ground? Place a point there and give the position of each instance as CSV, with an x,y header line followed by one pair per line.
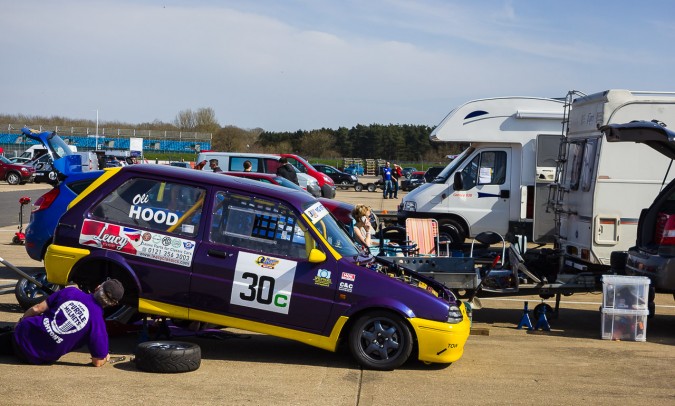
x,y
32,280
20,236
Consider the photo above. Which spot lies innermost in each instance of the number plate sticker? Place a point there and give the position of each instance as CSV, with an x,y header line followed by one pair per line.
x,y
263,282
159,247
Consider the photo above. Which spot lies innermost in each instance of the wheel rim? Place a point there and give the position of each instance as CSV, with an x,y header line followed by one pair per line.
x,y
12,178
32,291
169,346
380,339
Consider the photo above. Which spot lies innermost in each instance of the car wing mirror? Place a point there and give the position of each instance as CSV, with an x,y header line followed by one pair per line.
x,y
316,256
457,183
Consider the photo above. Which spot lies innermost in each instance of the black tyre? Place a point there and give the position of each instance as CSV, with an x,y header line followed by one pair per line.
x,y
28,294
453,230
371,187
13,178
168,356
16,240
543,307
358,187
380,340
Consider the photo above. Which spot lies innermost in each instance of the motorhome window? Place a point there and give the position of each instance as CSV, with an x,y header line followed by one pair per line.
x,y
258,225
452,166
475,114
576,150
492,169
588,164
470,173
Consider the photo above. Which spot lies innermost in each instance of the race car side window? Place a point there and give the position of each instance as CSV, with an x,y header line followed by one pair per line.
x,y
259,225
154,205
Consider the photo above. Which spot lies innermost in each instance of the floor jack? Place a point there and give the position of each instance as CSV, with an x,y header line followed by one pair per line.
x,y
20,236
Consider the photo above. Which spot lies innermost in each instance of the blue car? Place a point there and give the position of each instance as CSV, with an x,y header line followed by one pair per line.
x,y
354,169
69,181
49,207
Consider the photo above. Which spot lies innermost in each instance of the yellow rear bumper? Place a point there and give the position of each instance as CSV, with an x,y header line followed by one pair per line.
x,y
59,261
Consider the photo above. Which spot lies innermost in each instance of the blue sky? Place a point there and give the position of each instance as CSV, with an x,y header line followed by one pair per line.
x,y
306,64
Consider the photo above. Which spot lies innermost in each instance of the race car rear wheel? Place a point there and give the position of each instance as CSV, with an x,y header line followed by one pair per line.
x,y
380,340
168,356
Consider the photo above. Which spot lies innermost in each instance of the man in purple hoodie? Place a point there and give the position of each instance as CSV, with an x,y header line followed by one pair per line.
x,y
67,320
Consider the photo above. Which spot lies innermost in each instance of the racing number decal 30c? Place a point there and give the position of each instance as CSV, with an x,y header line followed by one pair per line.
x,y
263,282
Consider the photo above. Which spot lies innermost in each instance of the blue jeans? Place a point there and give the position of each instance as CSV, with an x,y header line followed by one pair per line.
x,y
393,192
387,188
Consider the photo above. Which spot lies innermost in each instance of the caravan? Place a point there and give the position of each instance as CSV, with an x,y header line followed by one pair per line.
x,y
602,187
500,182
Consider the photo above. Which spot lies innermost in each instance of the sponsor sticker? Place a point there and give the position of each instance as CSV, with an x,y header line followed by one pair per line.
x,y
316,212
348,276
132,241
346,287
322,278
263,282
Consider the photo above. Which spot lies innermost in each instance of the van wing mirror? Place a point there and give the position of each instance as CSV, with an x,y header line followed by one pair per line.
x,y
316,256
457,183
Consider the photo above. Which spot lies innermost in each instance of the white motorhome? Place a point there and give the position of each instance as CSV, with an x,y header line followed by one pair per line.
x,y
500,182
35,151
601,186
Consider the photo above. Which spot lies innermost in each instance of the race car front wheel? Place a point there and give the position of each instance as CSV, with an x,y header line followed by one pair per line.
x,y
380,340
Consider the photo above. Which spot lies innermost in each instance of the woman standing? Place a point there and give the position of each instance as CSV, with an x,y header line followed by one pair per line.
x,y
362,228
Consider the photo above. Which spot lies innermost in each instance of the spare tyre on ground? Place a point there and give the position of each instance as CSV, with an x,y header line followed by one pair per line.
x,y
168,356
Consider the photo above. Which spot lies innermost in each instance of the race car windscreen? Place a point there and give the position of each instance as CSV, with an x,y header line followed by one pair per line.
x,y
330,230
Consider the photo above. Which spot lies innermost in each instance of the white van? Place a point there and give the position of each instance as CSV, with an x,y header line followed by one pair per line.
x,y
500,182
36,151
264,163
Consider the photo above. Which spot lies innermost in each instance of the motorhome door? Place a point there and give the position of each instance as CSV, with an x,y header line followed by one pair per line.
x,y
548,147
486,190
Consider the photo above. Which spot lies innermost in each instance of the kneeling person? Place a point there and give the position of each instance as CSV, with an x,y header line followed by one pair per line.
x,y
67,320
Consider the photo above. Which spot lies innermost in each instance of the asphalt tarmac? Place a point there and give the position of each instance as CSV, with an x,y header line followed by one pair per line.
x,y
502,365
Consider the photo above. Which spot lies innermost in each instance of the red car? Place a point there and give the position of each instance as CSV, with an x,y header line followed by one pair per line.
x,y
325,182
15,174
341,210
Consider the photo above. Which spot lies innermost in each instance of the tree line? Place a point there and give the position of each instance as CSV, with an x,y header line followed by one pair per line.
x,y
395,142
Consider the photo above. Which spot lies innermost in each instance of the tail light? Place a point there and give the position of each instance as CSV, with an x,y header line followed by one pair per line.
x,y
664,232
45,200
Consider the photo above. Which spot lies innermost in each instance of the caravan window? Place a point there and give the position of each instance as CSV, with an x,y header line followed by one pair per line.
x,y
576,151
588,164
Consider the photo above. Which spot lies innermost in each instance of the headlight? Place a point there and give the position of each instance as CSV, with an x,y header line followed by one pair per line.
x,y
454,315
354,178
312,183
24,170
409,206
327,179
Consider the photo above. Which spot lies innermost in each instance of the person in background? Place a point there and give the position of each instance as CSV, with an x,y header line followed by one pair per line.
x,y
247,166
361,213
286,170
213,164
201,165
386,178
67,320
396,174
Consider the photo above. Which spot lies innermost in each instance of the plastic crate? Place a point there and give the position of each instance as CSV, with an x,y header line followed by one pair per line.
x,y
626,325
625,292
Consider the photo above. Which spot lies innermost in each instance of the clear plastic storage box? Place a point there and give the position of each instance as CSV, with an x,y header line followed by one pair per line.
x,y
627,325
625,292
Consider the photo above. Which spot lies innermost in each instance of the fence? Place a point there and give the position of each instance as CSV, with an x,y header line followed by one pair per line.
x,y
13,142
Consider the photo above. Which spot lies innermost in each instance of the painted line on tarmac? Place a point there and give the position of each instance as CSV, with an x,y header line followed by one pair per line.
x,y
482,299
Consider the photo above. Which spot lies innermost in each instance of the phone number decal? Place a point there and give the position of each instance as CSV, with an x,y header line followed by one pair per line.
x,y
136,242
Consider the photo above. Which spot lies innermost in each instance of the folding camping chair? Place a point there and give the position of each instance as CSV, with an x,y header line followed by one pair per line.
x,y
424,232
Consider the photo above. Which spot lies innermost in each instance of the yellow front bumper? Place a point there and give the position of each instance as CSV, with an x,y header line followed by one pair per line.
x,y
441,342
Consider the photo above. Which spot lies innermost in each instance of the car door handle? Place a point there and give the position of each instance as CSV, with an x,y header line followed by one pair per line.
x,y
505,194
71,226
219,254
